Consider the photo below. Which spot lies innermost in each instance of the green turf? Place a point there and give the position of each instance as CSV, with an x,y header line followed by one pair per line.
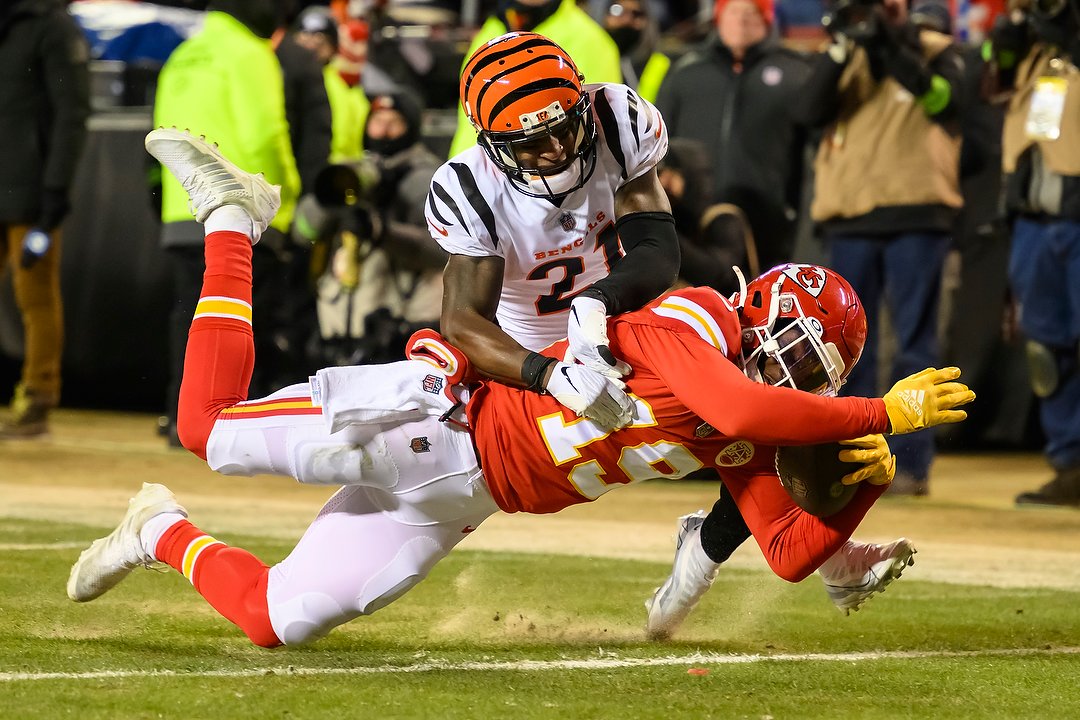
x,y
482,607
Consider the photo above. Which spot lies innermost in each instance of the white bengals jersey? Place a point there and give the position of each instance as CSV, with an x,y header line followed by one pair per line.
x,y
551,252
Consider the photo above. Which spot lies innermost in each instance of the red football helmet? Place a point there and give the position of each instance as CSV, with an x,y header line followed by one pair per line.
x,y
803,326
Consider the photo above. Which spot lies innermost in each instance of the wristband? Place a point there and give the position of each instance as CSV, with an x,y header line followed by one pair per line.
x,y
532,371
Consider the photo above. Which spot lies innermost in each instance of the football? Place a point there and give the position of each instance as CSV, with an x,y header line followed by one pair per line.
x,y
811,475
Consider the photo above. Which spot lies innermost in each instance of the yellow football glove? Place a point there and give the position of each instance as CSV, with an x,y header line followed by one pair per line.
x,y
879,464
926,399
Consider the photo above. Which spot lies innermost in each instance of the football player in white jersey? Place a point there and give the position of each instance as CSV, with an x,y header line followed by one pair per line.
x,y
554,220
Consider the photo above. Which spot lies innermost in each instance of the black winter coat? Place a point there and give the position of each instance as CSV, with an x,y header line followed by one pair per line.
x,y
740,113
44,104
307,109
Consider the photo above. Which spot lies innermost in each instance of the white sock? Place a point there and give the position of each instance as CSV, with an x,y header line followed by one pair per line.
x,y
843,567
154,528
229,217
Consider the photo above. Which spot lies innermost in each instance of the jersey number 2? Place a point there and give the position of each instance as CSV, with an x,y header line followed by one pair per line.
x,y
561,295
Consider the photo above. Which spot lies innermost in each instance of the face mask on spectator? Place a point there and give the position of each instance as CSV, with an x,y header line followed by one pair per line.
x,y
518,15
626,38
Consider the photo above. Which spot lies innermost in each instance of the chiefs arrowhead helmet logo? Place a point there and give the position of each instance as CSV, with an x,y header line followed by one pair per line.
x,y
809,277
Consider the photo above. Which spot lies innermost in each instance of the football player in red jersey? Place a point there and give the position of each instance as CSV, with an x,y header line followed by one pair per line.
x,y
803,327
423,459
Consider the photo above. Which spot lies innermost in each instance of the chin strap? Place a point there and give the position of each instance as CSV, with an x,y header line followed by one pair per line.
x,y
742,287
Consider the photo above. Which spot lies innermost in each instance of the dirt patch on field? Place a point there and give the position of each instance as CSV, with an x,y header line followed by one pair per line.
x,y
967,532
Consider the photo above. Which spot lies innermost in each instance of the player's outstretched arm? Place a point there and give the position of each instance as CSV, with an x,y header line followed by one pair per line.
x,y
926,399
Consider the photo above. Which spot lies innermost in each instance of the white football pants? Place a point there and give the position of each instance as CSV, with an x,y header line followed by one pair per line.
x,y
412,491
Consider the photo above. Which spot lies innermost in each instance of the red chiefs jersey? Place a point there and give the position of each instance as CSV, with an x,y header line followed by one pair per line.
x,y
694,408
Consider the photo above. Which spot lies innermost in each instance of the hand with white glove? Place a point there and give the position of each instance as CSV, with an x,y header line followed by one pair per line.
x,y
587,333
590,394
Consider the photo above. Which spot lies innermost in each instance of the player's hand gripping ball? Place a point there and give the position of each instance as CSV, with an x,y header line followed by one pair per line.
x,y
822,479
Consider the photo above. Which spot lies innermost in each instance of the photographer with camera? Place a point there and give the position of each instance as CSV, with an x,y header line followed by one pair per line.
x,y
886,188
1036,51
383,276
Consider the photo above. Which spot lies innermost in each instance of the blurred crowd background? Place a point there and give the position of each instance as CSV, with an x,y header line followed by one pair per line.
x,y
361,106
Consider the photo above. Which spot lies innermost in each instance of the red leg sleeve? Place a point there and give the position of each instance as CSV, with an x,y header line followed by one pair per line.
x,y
231,579
795,543
221,350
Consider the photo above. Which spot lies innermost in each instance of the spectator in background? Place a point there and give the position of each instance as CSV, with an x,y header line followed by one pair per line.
x,y
886,187
311,126
979,305
636,35
44,103
1037,53
391,284
316,30
712,237
593,50
734,96
307,106
413,47
226,83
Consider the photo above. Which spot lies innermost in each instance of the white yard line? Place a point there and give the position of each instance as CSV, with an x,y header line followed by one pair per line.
x,y
606,661
27,547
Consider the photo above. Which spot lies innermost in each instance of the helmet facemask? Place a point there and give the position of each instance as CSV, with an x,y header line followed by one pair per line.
x,y
573,130
790,350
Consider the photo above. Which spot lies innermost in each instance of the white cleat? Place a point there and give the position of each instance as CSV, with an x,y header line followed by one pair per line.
x,y
109,560
858,571
691,577
211,181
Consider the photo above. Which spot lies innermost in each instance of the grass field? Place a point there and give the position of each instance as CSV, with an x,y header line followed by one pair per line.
x,y
535,617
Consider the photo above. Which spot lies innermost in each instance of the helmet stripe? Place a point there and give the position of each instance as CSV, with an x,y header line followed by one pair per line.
x,y
491,82
524,91
485,60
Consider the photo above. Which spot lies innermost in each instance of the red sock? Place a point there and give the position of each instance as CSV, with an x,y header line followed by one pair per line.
x,y
221,347
231,579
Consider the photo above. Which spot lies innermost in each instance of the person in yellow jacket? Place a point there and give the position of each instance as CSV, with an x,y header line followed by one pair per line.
x,y
586,41
317,30
636,34
225,83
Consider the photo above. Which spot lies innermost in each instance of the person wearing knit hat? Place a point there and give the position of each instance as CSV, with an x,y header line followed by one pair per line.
x,y
742,24
318,31
393,123
765,7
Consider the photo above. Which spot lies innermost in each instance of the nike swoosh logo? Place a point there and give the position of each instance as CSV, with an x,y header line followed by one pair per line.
x,y
442,231
567,376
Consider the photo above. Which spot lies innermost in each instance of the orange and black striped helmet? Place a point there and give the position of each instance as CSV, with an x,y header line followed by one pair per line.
x,y
521,90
